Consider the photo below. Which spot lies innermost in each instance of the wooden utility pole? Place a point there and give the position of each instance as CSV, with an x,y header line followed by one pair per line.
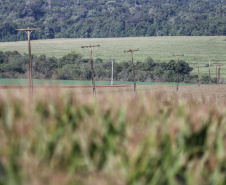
x,y
28,30
219,74
216,74
209,73
178,60
198,70
91,58
218,65
112,72
134,81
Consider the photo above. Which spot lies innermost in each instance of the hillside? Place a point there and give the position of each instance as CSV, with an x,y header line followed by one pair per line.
x,y
119,18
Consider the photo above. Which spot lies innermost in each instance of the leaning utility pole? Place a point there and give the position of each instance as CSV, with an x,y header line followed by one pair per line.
x,y
131,51
198,70
91,58
28,30
178,59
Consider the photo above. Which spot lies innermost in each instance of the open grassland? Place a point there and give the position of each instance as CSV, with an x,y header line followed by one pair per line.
x,y
71,137
44,82
159,48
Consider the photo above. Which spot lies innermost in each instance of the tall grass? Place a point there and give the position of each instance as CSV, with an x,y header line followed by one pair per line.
x,y
62,137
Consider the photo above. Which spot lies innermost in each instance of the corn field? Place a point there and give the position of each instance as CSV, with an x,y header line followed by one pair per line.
x,y
68,138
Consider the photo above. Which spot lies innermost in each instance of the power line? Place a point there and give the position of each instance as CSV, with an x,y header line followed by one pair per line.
x,y
54,47
67,42
74,46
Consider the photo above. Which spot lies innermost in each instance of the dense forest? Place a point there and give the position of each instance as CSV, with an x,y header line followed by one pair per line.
x,y
115,18
74,67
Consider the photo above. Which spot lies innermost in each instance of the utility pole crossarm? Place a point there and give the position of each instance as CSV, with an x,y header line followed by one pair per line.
x,y
29,29
218,64
198,58
130,51
180,55
90,46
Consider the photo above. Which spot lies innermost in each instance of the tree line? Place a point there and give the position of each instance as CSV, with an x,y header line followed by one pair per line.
x,y
116,18
74,67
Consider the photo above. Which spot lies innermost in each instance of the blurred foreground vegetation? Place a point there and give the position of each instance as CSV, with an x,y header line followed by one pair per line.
x,y
67,138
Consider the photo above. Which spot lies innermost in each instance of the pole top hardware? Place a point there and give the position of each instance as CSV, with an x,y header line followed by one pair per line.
x,y
131,50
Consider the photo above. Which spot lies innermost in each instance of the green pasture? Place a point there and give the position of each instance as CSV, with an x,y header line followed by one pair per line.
x,y
6,81
159,48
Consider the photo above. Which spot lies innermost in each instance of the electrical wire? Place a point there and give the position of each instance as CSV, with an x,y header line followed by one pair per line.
x,y
53,47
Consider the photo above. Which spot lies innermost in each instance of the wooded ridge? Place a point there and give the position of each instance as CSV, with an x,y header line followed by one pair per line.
x,y
119,18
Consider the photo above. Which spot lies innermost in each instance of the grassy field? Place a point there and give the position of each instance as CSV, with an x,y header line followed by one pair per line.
x,y
71,137
8,81
159,48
